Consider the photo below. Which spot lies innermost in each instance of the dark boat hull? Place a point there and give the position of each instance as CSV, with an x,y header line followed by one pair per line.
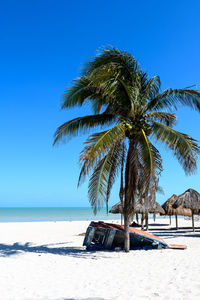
x,y
102,235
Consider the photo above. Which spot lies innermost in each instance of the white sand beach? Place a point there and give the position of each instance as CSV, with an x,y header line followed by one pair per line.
x,y
46,260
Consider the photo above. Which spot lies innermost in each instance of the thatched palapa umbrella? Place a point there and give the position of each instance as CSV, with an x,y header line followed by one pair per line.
x,y
189,199
149,207
141,207
146,207
179,211
117,209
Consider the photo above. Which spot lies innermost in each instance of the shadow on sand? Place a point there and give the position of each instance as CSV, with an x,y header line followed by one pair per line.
x,y
93,298
169,233
7,250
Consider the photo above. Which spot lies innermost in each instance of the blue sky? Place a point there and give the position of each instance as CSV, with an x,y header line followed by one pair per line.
x,y
43,47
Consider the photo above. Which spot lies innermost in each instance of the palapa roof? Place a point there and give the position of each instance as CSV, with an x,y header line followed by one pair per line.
x,y
116,209
144,207
170,211
189,199
148,206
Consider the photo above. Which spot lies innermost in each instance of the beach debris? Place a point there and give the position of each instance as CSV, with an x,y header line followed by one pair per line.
x,y
134,224
101,235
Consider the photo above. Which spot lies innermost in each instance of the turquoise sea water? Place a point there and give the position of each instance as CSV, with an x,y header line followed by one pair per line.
x,y
52,214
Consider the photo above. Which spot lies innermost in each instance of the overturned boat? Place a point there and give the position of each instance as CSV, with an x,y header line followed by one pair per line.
x,y
102,235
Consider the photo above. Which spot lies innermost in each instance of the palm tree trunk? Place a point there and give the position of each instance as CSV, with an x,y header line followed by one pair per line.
x,y
130,191
126,233
170,220
121,192
154,193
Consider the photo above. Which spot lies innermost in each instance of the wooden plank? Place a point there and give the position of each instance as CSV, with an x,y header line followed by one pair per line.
x,y
109,238
173,246
89,236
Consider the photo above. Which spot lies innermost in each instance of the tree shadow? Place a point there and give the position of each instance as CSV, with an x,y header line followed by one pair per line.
x,y
174,233
158,224
175,229
7,250
90,298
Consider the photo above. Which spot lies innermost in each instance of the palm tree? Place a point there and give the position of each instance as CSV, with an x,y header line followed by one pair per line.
x,y
134,113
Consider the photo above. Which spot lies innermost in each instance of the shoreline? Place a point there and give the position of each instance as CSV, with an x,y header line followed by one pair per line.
x,y
95,219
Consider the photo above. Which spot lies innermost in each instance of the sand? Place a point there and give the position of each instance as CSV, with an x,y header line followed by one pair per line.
x,y
46,260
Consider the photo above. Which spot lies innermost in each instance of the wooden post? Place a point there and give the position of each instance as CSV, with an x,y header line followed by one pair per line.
x,y
147,221
137,218
89,236
192,220
121,219
109,238
170,220
154,217
176,221
142,221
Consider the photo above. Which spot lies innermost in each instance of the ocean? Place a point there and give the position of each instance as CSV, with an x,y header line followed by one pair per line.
x,y
42,214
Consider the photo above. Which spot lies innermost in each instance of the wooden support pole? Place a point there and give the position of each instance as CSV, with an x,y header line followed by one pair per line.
x,y
142,221
176,221
137,218
154,217
121,219
147,221
170,220
192,221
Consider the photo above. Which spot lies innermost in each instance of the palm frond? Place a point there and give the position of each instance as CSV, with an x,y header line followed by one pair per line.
x,y
150,160
103,177
78,93
97,146
184,147
160,190
122,61
122,93
151,87
120,152
173,98
85,90
81,125
168,119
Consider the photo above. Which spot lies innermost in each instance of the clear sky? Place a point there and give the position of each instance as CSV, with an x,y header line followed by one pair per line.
x,y
43,47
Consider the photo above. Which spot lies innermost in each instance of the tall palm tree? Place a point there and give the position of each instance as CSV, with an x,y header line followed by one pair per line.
x,y
134,113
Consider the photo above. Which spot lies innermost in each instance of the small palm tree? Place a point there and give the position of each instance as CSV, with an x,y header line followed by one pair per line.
x,y
134,113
